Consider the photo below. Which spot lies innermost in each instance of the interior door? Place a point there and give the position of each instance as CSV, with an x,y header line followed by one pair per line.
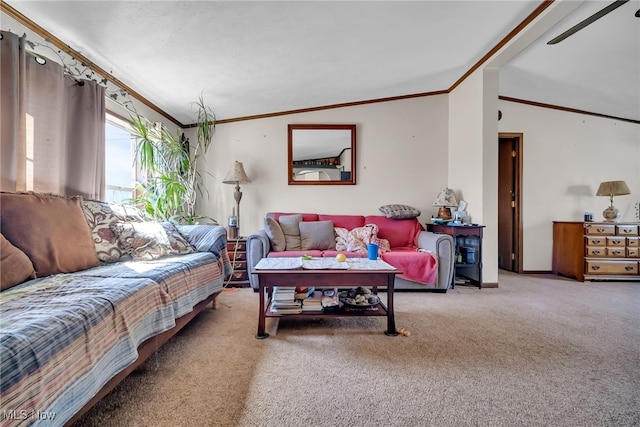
x,y
509,228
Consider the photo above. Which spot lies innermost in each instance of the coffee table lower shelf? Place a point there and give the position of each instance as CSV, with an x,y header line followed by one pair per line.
x,y
323,279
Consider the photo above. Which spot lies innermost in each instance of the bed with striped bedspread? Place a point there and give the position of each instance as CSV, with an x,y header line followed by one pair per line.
x,y
63,337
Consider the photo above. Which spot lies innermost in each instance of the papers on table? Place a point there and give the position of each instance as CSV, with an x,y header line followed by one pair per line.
x,y
294,263
279,263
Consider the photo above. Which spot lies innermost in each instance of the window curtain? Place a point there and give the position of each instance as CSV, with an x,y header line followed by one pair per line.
x,y
52,126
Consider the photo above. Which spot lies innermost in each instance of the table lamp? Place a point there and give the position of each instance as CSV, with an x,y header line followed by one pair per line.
x,y
610,189
237,176
445,199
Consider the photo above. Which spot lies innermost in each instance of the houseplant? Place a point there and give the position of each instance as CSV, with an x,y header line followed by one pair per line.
x,y
169,166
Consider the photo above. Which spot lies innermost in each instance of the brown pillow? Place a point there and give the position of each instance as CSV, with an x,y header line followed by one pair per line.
x,y
15,266
275,234
291,229
51,230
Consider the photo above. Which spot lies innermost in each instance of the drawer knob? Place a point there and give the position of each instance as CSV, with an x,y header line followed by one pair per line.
x,y
616,252
596,242
600,230
595,267
616,242
628,268
596,252
625,230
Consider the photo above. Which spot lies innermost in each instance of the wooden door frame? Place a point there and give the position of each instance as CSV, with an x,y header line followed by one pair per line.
x,y
517,222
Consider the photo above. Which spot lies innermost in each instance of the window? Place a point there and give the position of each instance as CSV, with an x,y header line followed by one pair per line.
x,y
120,173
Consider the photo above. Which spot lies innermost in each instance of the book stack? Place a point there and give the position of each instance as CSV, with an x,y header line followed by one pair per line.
x,y
313,303
303,292
283,301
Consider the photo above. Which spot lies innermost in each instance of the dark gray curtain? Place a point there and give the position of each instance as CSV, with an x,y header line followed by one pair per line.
x,y
52,126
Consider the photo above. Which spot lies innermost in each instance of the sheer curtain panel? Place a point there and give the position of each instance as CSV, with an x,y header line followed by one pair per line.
x,y
52,126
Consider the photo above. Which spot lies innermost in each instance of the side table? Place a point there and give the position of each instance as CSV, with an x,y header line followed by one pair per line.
x,y
468,254
237,250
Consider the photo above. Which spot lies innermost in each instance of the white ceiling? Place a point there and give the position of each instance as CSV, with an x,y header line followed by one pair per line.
x,y
259,57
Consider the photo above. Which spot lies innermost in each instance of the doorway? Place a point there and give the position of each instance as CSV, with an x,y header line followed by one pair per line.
x,y
509,202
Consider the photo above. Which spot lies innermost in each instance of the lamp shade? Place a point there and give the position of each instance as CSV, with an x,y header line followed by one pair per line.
x,y
613,188
446,197
236,175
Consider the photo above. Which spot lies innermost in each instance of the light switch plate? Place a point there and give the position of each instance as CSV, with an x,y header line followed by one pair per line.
x,y
637,205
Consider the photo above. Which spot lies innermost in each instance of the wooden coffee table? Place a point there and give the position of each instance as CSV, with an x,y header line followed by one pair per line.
x,y
361,272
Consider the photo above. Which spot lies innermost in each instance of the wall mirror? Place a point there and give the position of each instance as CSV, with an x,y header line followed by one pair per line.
x,y
322,154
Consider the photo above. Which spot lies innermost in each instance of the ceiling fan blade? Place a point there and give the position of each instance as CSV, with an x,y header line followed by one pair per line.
x,y
589,20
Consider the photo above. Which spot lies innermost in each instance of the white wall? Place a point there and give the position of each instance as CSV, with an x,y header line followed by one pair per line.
x,y
401,157
565,157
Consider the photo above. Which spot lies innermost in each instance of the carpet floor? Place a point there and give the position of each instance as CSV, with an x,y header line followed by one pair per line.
x,y
537,351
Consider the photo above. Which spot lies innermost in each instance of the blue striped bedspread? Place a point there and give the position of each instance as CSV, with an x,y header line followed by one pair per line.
x,y
63,337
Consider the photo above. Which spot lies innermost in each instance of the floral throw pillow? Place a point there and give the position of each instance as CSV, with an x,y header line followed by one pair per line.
x,y
150,240
357,239
100,216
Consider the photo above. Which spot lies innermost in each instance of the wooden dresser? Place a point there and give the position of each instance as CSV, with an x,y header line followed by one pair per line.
x,y
597,250
237,249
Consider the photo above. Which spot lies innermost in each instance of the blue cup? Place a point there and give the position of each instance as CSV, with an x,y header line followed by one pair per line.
x,y
372,248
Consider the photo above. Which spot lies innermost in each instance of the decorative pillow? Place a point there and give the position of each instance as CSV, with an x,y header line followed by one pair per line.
x,y
290,225
275,234
357,239
100,216
317,235
399,211
15,265
150,240
51,230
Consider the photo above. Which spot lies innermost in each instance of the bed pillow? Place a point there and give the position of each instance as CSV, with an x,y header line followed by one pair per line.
x,y
100,216
146,241
275,234
317,235
51,230
15,265
399,211
290,225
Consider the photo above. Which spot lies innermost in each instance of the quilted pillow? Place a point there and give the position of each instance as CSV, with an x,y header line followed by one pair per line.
x,y
317,235
100,216
275,234
150,240
399,211
290,225
357,239
51,230
15,265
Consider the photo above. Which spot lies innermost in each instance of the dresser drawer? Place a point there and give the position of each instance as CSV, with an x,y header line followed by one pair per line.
x,y
627,230
615,252
633,252
239,265
616,241
611,267
600,229
237,256
596,241
633,242
596,251
232,245
239,276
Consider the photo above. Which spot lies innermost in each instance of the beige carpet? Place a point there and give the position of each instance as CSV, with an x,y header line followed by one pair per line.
x,y
537,351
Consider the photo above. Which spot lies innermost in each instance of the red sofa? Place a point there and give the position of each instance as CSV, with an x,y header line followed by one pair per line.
x,y
425,258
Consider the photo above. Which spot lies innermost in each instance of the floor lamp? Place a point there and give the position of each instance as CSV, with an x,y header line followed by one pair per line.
x,y
237,176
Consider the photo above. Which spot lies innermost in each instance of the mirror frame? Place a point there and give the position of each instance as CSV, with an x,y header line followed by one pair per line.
x,y
293,127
